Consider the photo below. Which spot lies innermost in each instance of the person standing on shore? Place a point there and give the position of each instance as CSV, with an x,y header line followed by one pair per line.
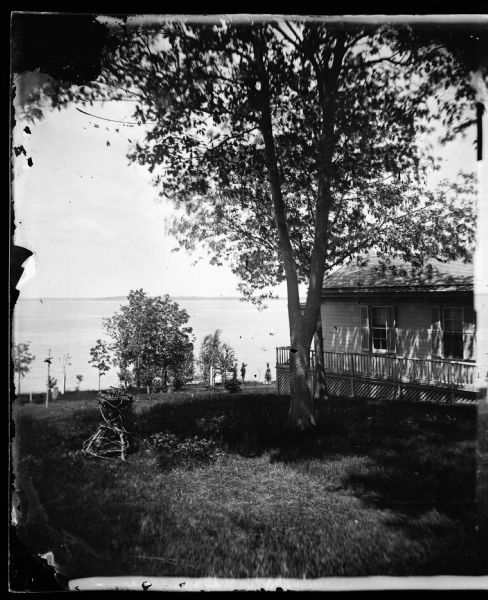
x,y
267,376
243,371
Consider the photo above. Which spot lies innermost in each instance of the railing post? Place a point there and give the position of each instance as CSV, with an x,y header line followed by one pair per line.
x,y
398,376
351,369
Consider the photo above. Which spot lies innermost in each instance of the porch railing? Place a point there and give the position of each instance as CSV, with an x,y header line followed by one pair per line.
x,y
393,368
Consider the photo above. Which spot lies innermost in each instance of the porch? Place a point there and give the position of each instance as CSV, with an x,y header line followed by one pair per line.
x,y
388,377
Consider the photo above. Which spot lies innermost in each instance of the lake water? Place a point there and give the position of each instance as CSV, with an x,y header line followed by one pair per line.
x,y
73,326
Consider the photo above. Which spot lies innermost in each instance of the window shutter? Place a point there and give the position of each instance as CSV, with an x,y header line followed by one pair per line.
x,y
436,332
365,337
391,332
469,334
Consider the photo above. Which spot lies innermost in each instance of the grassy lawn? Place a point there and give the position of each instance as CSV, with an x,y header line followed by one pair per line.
x,y
217,488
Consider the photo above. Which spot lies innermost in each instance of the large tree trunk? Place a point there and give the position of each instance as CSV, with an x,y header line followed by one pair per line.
x,y
302,326
301,414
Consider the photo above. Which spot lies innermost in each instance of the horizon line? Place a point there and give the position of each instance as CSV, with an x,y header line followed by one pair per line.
x,y
121,297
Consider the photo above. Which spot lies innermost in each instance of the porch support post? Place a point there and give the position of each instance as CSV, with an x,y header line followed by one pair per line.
x,y
351,369
398,377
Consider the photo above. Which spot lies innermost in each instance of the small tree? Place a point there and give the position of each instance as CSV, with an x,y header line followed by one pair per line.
x,y
22,360
65,362
209,354
100,359
227,361
79,379
217,354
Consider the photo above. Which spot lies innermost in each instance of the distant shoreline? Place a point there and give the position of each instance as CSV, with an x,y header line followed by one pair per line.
x,y
125,298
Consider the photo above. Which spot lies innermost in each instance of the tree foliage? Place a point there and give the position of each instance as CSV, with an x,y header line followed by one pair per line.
x,y
22,360
227,361
217,354
151,336
200,87
100,358
209,354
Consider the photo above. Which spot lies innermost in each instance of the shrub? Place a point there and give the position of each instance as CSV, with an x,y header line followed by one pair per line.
x,y
39,398
178,383
233,385
189,452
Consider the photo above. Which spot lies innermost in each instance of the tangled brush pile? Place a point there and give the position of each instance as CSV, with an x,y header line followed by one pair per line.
x,y
111,438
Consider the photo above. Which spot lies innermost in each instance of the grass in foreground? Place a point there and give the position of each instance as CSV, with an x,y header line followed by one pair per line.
x,y
217,488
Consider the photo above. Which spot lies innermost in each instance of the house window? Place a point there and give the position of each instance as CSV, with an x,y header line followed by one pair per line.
x,y
452,321
453,332
378,329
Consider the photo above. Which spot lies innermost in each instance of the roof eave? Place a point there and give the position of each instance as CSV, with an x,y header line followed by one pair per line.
x,y
364,291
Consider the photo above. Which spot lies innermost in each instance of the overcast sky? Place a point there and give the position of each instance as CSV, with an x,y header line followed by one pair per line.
x,y
93,220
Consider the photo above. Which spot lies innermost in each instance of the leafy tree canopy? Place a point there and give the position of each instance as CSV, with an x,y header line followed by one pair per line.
x,y
151,335
100,357
22,358
199,89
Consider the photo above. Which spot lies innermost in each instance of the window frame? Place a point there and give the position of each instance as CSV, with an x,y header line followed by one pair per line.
x,y
452,331
466,332
376,328
389,329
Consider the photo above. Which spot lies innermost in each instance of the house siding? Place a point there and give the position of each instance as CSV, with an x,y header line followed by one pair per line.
x,y
341,323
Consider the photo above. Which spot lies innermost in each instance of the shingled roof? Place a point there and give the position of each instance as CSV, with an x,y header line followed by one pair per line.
x,y
398,276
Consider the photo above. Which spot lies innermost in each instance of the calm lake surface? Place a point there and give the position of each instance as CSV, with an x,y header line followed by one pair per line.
x,y
73,326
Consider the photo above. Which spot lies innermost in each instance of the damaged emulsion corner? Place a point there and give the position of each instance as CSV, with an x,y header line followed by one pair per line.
x,y
66,47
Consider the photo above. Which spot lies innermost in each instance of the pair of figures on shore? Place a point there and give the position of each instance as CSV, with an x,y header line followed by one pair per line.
x,y
267,376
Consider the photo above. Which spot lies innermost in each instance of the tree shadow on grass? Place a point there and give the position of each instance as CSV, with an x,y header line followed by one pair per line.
x,y
415,463
417,457
413,457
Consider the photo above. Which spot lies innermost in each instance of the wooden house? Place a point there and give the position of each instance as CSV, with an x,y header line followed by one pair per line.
x,y
385,323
